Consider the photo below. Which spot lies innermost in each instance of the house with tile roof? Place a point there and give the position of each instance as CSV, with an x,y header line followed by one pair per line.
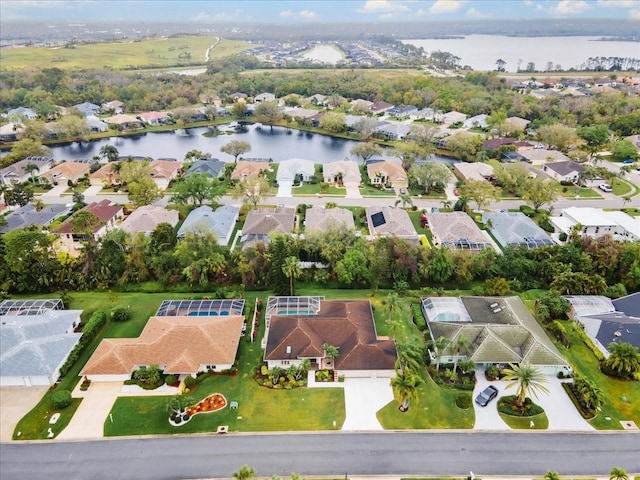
x,y
538,156
295,335
378,108
496,330
65,171
245,168
390,222
124,121
262,222
115,106
107,216
515,229
473,171
179,345
456,230
34,344
164,171
342,172
518,123
449,118
211,167
18,172
264,97
155,118
389,174
220,222
29,215
145,219
105,175
321,219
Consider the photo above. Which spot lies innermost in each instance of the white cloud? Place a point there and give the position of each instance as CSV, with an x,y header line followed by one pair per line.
x,y
528,3
634,14
382,6
420,13
569,7
286,14
618,3
308,14
474,13
386,16
445,6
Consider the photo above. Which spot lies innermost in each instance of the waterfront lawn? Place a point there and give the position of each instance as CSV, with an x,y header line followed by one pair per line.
x,y
621,398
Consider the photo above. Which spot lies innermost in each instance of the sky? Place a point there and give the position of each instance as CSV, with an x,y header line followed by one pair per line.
x,y
295,12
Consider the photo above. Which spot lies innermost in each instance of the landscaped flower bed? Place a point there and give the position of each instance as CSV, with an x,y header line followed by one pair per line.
x,y
212,403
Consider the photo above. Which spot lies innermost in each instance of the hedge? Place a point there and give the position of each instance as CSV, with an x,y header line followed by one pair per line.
x,y
589,343
586,413
89,332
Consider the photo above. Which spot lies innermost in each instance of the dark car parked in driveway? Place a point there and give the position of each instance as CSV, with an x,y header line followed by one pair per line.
x,y
485,396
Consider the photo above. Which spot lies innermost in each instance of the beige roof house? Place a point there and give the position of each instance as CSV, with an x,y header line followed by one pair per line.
x,y
517,123
473,171
163,171
387,173
105,175
146,218
262,222
496,330
245,168
390,222
456,230
320,219
539,156
451,117
66,171
179,345
349,170
123,120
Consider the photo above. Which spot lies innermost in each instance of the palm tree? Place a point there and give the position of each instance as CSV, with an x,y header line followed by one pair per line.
x,y
446,204
30,168
438,347
618,473
410,356
624,358
405,387
330,351
291,270
461,345
109,152
392,303
528,380
551,476
405,199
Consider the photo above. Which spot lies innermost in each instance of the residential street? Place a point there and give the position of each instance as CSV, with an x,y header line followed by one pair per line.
x,y
336,454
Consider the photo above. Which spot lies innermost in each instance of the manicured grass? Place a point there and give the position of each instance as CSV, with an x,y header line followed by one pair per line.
x,y
621,187
621,398
435,408
541,422
376,192
309,189
572,192
35,425
157,52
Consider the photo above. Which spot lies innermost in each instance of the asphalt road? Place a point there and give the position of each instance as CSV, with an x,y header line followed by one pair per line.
x,y
335,454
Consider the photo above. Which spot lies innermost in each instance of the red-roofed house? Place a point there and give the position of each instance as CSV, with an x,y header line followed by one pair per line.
x,y
107,215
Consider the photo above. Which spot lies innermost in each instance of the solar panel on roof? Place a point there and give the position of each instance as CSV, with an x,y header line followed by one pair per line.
x,y
378,219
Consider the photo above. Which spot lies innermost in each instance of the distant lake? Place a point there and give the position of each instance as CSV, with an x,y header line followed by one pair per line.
x,y
480,52
324,53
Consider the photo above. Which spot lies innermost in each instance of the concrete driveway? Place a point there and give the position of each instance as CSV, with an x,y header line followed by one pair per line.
x,y
560,411
15,403
57,191
363,397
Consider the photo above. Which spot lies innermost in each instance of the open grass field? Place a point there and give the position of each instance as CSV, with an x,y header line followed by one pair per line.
x,y
540,421
151,53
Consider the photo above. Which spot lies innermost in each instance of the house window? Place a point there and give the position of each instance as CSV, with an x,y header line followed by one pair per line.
x,y
285,362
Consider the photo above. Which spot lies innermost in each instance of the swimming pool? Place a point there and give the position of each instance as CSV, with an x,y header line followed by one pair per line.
x,y
208,314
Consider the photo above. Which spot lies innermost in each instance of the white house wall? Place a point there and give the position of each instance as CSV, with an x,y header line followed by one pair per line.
x,y
367,373
109,378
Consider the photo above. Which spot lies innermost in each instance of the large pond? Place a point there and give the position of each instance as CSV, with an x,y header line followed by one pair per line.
x,y
277,144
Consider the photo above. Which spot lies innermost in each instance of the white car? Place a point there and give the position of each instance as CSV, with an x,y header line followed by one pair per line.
x,y
605,187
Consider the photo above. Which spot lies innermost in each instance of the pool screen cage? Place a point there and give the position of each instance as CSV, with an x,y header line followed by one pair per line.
x,y
185,308
292,306
30,307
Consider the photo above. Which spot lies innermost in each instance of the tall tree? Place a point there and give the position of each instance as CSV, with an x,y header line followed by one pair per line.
x,y
109,152
594,136
430,174
235,148
527,379
408,153
618,473
197,189
365,151
538,192
624,359
479,191
268,112
251,190
557,136
143,192
291,270
405,387
438,347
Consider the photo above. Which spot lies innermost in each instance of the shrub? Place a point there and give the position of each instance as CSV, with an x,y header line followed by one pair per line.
x,y
527,210
508,406
120,315
89,332
171,379
61,399
491,372
189,381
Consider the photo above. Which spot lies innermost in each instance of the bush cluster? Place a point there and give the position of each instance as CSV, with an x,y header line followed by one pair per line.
x,y
463,401
120,315
89,332
61,399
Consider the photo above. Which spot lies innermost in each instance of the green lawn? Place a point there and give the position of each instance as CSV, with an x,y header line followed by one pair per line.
x,y
622,398
156,52
621,187
541,422
376,192
309,189
572,192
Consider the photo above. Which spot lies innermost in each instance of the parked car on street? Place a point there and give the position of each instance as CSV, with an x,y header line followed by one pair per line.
x,y
485,396
628,161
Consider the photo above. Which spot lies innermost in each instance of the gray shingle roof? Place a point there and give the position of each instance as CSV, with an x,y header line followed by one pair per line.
x,y
211,166
29,215
516,229
220,222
